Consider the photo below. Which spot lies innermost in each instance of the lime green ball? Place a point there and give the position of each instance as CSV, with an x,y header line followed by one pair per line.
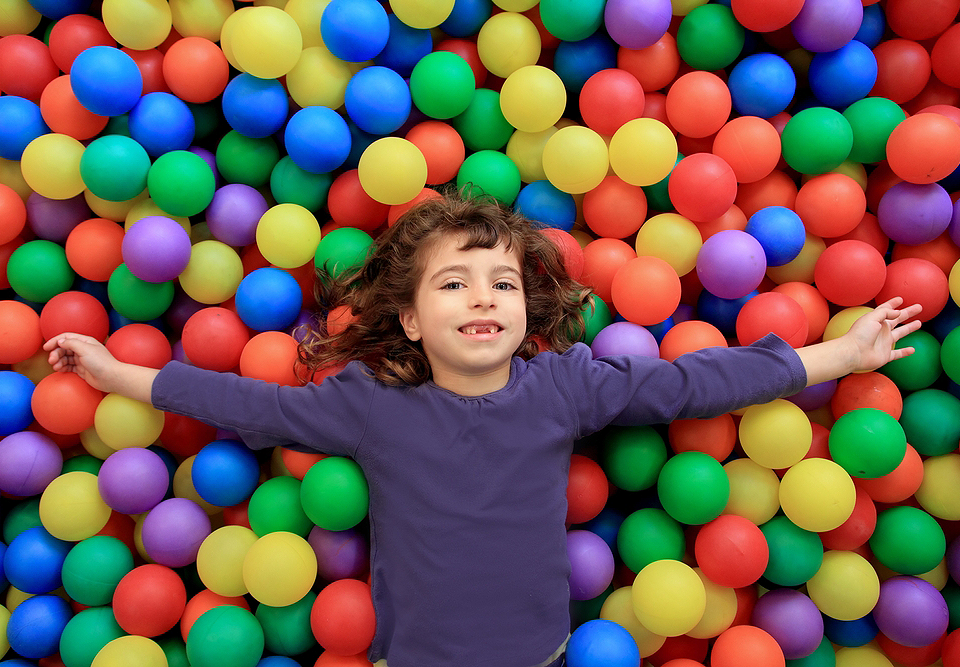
x,y
93,568
490,173
647,535
86,633
275,506
950,355
83,463
816,140
138,299
334,493
482,126
181,183
867,443
442,84
286,630
931,421
596,316
114,167
919,370
342,250
22,516
795,553
38,270
226,635
633,457
289,184
872,119
242,159
908,540
693,488
710,38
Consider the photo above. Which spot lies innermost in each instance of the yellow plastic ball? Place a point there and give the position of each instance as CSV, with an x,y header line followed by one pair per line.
x,y
506,42
840,323
264,41
517,6
4,644
668,598
954,282
213,273
720,610
800,268
183,486
618,607
854,170
200,18
144,207
14,597
12,176
684,7
672,238
288,235
17,17
279,568
130,650
938,576
526,151
643,151
423,14
533,98
138,24
71,508
319,78
938,490
817,494
575,159
775,434
846,586
112,210
94,446
862,656
392,170
220,559
307,14
754,490
51,166
123,422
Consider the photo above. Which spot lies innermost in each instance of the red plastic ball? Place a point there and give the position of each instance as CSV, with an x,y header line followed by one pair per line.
x,y
831,204
682,646
339,319
698,103
924,148
775,189
342,618
329,659
615,208
850,273
731,551
466,49
951,649
911,656
942,251
351,206
715,436
141,344
64,114
442,148
610,98
13,214
815,307
602,258
746,646
645,290
571,251
214,338
916,281
74,33
203,601
19,331
64,403
150,64
27,66
654,66
772,312
184,436
149,600
270,356
866,390
298,463
903,69
688,336
916,19
750,145
763,16
396,210
78,312
732,218
587,489
867,230
897,485
702,187
857,529
93,248
195,69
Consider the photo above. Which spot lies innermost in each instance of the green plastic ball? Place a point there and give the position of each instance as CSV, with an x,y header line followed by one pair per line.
x,y
658,194
647,535
693,488
710,38
226,636
20,517
175,650
83,463
596,316
286,630
114,167
867,443
816,140
571,21
490,173
795,554
634,457
275,506
334,493
919,370
931,421
247,160
872,119
342,250
289,184
822,656
950,355
137,299
38,270
442,84
181,183
208,118
86,633
93,568
951,595
482,126
908,540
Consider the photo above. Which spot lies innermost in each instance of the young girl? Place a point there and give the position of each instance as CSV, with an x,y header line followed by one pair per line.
x,y
463,430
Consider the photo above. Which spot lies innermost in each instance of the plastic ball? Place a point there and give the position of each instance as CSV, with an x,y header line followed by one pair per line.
x,y
87,633
71,508
846,587
225,473
730,264
406,46
542,202
715,436
133,480
732,551
698,104
202,602
491,173
772,312
279,569
35,626
796,554
130,649
672,238
213,273
225,635
693,488
378,100
924,148
830,205
817,494
271,356
254,107
30,461
442,85
922,368
264,41
872,119
156,249
668,597
721,48
287,235
268,299
702,187
915,213
587,491
442,148
624,338
841,77
173,530
354,30
275,506
195,69
911,611
342,618
762,84
506,42
852,431
64,114
850,273
115,167
633,458
816,140
161,122
780,232
334,493
750,145
775,434
181,183
106,80
214,338
340,554
601,642
124,422
418,15
592,564
575,159
746,646
610,98
908,540
792,619
916,281
93,249
482,126
51,166
392,170
220,559
149,600
643,306
317,139
824,26
93,567
33,561
933,484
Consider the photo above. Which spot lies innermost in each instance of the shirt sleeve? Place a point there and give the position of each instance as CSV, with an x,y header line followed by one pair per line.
x,y
634,390
330,417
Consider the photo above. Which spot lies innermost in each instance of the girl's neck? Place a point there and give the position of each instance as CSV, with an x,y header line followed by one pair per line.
x,y
473,385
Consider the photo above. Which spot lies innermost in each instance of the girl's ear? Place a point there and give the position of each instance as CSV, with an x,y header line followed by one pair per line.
x,y
408,320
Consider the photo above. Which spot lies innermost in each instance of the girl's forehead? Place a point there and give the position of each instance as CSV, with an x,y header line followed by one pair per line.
x,y
448,248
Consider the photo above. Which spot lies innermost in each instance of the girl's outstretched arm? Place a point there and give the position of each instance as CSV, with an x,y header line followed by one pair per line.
x,y
868,344
90,359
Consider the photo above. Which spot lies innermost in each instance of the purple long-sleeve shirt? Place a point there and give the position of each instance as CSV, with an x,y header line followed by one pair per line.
x,y
468,493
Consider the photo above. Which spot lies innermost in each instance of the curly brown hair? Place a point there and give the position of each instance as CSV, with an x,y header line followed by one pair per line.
x,y
386,284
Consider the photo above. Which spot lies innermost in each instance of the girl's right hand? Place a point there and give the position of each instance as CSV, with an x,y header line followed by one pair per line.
x,y
85,356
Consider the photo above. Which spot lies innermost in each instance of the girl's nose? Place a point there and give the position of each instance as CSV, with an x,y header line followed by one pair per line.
x,y
483,297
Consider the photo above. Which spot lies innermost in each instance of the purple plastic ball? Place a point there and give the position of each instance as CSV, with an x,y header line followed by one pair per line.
x,y
624,338
341,554
637,24
173,531
234,213
815,396
133,480
591,564
914,213
911,611
792,619
210,159
954,228
731,264
156,249
826,25
28,462
54,219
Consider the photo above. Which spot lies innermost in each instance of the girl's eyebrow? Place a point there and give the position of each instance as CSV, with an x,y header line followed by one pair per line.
x,y
463,268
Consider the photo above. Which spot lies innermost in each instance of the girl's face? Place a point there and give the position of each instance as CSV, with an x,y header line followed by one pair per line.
x,y
470,315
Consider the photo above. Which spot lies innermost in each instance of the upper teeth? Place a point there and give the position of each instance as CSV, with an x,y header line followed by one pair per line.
x,y
480,328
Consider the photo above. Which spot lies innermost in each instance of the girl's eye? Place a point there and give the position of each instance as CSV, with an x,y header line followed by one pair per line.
x,y
452,286
504,286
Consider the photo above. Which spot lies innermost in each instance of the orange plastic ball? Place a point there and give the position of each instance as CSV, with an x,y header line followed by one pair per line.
x,y
13,214
64,403
195,69
63,113
715,436
339,319
614,208
203,601
342,618
270,356
214,338
831,204
654,66
772,312
602,258
19,331
899,484
645,290
442,148
93,248
298,463
750,145
688,336
924,148
746,646
815,306
775,189
698,104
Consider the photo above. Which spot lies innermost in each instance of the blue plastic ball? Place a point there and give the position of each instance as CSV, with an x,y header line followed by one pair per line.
x,y
872,27
105,80
602,643
268,299
20,123
721,313
36,624
660,329
857,632
840,78
225,473
405,47
275,661
57,9
3,573
354,30
575,62
317,139
467,17
254,107
34,559
762,85
359,142
780,231
161,122
378,100
16,390
543,202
